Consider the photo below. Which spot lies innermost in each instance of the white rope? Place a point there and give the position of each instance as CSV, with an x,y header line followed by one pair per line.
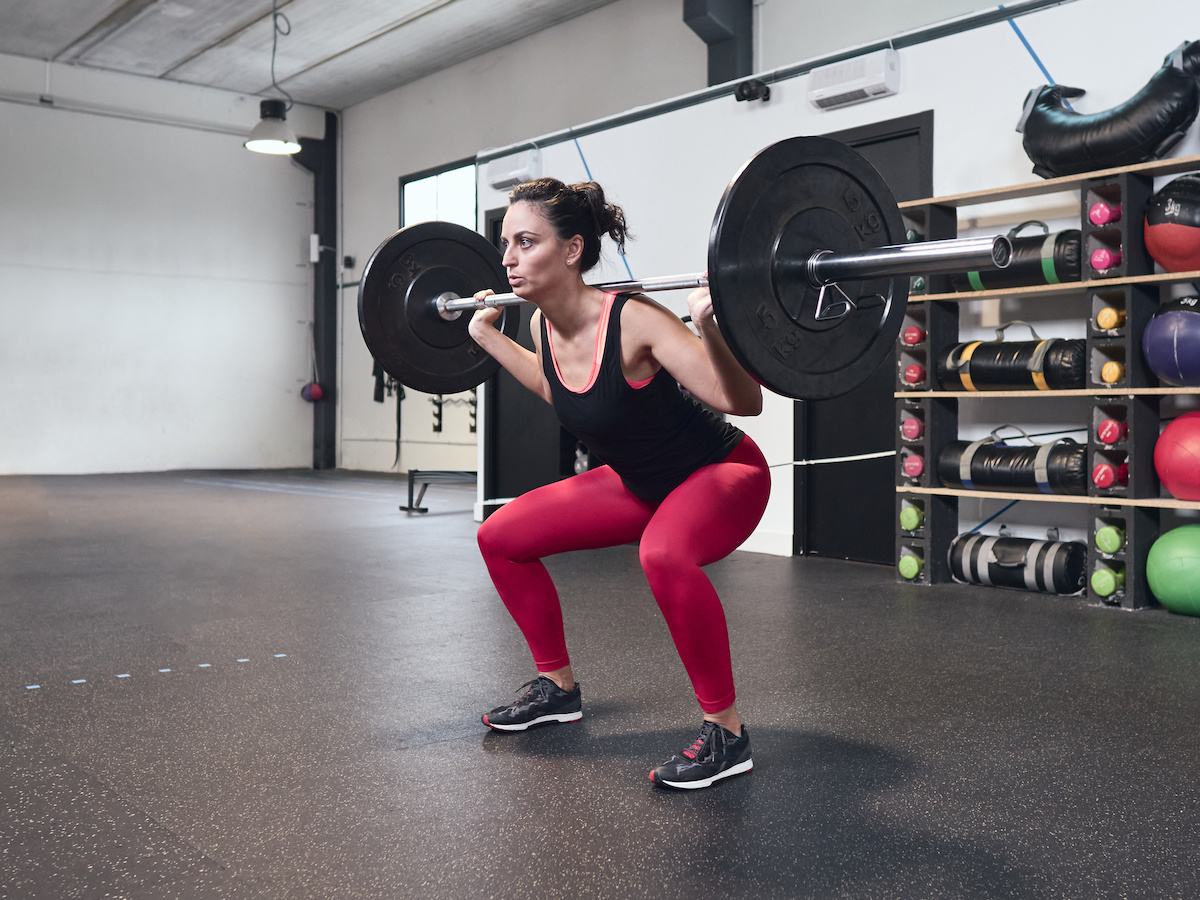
x,y
836,459
500,501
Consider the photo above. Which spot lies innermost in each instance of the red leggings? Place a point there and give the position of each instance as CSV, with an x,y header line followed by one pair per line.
x,y
701,521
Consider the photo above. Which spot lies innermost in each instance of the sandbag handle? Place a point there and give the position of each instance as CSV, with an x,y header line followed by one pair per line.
x,y
1000,330
1175,57
994,434
1013,232
1031,100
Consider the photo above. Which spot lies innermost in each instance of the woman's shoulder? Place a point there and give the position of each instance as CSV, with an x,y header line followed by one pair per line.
x,y
641,309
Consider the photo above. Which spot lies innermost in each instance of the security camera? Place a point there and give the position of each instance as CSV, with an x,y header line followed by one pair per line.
x,y
753,89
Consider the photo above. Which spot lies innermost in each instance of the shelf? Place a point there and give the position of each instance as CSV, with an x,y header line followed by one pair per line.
x,y
1069,287
1137,288
1145,502
1098,393
1056,185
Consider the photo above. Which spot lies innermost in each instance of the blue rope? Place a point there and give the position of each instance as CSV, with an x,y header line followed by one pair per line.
x,y
990,518
1049,77
583,159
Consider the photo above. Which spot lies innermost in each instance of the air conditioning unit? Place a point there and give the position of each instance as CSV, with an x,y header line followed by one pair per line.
x,y
855,80
509,171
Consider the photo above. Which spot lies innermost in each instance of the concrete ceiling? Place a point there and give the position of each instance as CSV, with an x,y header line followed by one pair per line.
x,y
338,53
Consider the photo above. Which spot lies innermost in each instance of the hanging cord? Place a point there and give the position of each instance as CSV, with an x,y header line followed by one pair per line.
x,y
588,171
1038,61
312,353
276,31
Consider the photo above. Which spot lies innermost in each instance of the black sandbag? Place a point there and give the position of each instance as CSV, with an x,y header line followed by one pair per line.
x,y
1036,259
1013,365
1060,141
997,466
1049,567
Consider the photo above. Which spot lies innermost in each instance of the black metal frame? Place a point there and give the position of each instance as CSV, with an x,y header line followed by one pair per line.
x,y
319,156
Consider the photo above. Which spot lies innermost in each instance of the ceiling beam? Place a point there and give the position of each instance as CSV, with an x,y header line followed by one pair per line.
x,y
118,18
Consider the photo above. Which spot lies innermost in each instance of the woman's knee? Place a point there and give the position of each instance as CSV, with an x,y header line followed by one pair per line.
x,y
663,560
494,540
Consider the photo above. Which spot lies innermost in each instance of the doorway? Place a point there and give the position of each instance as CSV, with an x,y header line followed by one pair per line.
x,y
845,510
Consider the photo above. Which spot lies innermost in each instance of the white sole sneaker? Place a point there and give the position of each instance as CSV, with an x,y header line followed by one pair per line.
x,y
541,720
741,767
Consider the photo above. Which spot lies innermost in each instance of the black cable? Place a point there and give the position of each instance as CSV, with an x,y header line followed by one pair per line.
x,y
276,31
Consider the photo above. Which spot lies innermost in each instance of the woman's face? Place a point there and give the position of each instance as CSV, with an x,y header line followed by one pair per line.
x,y
537,260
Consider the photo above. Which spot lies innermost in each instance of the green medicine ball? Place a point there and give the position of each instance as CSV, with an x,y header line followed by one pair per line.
x,y
1173,570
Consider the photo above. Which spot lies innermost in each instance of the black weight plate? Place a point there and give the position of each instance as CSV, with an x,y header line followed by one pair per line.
x,y
396,311
794,198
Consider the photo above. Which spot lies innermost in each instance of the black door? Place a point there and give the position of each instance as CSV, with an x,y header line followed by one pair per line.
x,y
844,510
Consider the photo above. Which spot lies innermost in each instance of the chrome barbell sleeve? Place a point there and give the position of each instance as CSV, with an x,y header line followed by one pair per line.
x,y
823,267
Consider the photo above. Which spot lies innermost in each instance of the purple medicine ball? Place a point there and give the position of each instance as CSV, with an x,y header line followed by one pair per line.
x,y
1171,342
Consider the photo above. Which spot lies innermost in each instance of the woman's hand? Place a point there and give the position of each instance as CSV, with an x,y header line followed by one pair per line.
x,y
700,306
484,320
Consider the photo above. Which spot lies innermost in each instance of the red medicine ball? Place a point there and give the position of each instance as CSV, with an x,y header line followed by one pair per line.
x,y
1177,457
1173,225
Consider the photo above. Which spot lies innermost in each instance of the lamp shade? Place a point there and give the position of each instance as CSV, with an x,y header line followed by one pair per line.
x,y
272,134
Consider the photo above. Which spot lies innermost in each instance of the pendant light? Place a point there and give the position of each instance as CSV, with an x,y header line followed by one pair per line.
x,y
272,134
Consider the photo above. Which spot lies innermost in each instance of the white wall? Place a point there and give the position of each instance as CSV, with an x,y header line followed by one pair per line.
x,y
626,54
154,288
787,31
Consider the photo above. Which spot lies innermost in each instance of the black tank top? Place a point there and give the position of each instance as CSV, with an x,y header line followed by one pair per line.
x,y
652,435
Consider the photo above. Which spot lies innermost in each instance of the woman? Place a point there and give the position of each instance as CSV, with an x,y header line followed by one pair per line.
x,y
687,485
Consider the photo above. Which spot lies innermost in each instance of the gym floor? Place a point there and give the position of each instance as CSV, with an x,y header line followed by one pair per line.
x,y
268,685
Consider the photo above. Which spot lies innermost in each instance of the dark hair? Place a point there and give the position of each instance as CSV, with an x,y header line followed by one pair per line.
x,y
575,209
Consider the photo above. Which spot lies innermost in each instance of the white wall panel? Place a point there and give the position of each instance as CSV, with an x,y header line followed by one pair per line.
x,y
154,298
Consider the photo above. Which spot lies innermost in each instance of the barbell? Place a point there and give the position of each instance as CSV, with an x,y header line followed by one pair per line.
x,y
807,267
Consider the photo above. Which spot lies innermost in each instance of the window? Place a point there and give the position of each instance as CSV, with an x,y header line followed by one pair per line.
x,y
446,195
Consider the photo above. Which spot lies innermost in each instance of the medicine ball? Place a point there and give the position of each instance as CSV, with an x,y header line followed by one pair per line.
x,y
1173,225
1173,570
1171,342
1177,457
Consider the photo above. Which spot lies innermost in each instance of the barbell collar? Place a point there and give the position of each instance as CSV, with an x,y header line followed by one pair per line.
x,y
922,258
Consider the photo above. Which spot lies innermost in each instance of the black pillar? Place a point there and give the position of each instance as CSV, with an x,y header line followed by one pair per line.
x,y
727,27
320,158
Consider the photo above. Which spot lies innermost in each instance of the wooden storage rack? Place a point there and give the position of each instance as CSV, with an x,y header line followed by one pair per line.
x,y
1131,286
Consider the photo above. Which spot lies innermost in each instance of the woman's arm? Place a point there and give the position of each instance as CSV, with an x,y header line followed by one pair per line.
x,y
704,365
521,363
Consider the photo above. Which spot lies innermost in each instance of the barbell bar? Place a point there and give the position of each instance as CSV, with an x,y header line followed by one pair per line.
x,y
807,266
822,268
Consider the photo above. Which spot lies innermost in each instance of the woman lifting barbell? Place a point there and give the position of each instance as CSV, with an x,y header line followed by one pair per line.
x,y
687,485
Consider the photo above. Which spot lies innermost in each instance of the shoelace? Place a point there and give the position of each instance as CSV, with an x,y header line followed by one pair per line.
x,y
705,733
531,693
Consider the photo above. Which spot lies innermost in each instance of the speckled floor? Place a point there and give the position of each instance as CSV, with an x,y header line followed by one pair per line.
x,y
268,684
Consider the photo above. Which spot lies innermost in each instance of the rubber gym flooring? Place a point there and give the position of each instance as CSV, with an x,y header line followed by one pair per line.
x,y
268,685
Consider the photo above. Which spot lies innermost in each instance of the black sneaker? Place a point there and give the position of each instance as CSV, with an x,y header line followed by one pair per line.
x,y
541,702
715,754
